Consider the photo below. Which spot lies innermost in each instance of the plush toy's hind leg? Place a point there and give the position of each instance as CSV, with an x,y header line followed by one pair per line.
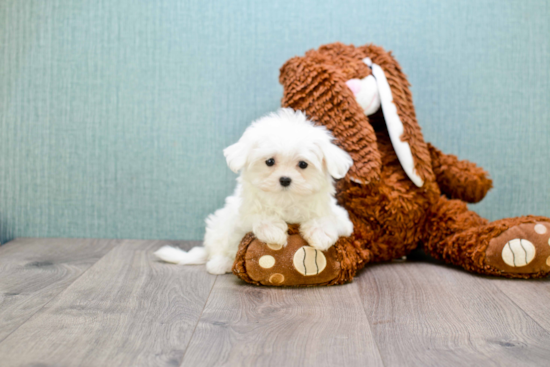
x,y
513,247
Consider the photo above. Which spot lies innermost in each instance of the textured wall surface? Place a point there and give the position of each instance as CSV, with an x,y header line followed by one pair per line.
x,y
114,114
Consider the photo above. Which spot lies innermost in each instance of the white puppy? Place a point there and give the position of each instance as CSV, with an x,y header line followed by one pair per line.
x,y
286,165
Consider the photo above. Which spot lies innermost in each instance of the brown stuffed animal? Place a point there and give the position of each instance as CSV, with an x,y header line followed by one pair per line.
x,y
400,192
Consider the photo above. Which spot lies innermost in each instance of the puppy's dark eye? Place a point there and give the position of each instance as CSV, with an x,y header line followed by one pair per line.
x,y
302,165
270,162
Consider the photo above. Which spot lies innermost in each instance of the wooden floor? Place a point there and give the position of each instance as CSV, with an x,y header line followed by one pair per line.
x,y
74,302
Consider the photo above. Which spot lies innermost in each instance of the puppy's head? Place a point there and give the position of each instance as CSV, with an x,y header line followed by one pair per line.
x,y
284,152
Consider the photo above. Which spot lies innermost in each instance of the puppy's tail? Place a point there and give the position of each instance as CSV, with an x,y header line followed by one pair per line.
x,y
195,256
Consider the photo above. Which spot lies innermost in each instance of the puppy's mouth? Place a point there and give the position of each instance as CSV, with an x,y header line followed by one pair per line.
x,y
269,188
281,189
296,188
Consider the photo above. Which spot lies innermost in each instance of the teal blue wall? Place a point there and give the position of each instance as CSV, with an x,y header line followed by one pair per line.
x,y
114,114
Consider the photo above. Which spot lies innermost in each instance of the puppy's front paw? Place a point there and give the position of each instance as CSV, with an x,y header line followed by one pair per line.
x,y
271,232
320,237
347,228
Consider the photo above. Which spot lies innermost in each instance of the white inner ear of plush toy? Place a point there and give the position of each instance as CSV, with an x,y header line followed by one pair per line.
x,y
366,93
393,122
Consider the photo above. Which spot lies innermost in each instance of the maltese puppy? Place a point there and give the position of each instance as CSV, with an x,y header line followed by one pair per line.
x,y
286,166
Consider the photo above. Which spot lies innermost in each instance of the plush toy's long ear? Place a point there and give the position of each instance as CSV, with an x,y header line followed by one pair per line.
x,y
320,91
399,113
236,155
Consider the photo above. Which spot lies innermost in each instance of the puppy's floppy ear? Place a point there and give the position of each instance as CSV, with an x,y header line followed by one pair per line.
x,y
236,155
338,161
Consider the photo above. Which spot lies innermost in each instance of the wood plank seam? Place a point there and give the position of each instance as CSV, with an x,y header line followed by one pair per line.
x,y
370,327
198,320
414,328
515,304
57,295
131,307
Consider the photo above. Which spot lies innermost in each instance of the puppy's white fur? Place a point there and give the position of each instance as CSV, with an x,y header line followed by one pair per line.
x,y
261,204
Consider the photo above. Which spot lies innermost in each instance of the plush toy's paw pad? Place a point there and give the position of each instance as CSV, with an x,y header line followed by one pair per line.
x,y
309,261
524,248
518,252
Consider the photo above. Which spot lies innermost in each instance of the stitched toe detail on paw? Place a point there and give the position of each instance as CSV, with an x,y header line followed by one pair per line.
x,y
521,249
309,261
518,252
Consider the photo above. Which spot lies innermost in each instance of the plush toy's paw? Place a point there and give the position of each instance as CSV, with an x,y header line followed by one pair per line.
x,y
524,249
219,265
318,236
296,264
274,233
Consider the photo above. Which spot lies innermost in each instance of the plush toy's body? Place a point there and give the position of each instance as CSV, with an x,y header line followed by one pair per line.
x,y
401,193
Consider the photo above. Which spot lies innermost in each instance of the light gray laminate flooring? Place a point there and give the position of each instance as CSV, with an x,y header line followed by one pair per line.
x,y
86,302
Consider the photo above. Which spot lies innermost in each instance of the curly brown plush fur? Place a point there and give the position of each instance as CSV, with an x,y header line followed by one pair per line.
x,y
457,179
391,215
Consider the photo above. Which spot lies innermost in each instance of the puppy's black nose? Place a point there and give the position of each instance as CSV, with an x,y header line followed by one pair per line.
x,y
285,181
